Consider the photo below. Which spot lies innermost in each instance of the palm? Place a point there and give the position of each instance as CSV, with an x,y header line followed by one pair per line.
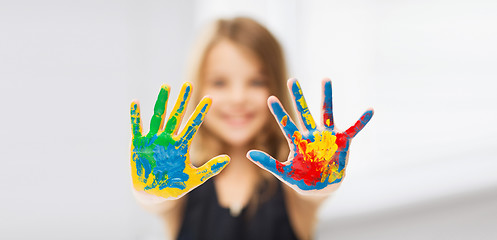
x,y
160,161
318,154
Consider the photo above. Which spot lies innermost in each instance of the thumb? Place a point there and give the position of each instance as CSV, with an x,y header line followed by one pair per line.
x,y
265,161
212,167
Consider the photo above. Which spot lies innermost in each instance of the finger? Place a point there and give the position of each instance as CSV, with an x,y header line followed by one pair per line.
x,y
212,167
359,125
327,111
285,122
195,120
179,109
265,161
159,110
136,123
305,115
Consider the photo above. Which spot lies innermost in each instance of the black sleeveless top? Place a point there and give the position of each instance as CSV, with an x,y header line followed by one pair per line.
x,y
204,218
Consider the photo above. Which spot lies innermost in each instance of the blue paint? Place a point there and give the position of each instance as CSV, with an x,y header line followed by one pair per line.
x,y
192,129
143,162
218,166
328,106
290,127
173,165
215,168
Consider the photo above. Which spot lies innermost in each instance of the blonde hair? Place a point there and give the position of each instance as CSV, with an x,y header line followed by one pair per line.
x,y
248,34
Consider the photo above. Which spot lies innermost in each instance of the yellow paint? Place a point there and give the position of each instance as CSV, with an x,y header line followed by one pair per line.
x,y
334,174
284,120
306,114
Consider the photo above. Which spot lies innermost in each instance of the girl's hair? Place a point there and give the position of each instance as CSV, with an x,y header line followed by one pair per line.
x,y
248,34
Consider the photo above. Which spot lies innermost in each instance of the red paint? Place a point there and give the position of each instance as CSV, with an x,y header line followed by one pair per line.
x,y
358,126
327,116
307,168
309,171
354,129
341,140
280,166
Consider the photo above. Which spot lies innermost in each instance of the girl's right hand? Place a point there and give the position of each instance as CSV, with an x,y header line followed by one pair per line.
x,y
160,161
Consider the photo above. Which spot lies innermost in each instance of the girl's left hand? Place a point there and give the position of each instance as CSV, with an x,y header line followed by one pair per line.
x,y
318,154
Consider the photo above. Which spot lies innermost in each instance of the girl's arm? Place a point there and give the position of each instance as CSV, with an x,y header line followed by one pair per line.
x,y
171,211
155,204
303,212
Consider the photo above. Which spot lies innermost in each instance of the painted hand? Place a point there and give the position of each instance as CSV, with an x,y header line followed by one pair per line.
x,y
318,154
160,162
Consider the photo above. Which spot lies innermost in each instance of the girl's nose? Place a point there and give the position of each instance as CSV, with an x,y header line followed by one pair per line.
x,y
238,94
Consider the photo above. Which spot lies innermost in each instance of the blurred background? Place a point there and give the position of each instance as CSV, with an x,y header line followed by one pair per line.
x,y
425,167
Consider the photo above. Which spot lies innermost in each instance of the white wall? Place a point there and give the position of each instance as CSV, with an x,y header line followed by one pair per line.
x,y
69,70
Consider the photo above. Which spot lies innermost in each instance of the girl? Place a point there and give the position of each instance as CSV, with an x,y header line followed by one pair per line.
x,y
239,66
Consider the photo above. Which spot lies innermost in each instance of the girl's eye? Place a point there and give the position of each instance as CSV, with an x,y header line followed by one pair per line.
x,y
258,82
218,83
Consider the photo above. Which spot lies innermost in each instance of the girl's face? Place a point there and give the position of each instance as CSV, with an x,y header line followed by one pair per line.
x,y
234,79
